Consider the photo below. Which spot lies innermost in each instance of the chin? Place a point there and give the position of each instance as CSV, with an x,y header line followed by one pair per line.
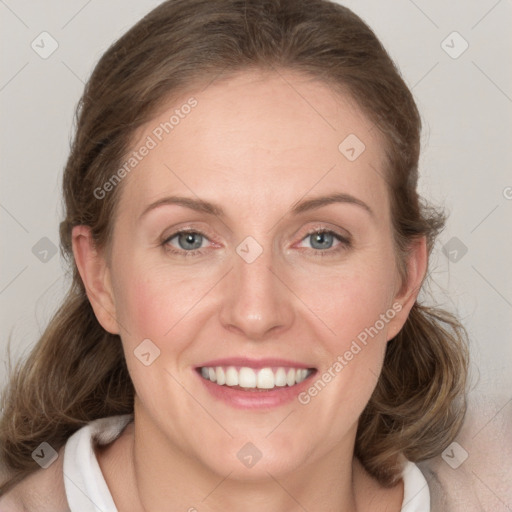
x,y
253,461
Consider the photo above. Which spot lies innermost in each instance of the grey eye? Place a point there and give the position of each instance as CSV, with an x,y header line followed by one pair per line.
x,y
322,240
189,240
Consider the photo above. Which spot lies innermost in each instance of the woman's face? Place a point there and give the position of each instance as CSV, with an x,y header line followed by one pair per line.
x,y
251,294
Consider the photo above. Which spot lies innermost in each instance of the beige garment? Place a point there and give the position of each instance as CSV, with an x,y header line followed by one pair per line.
x,y
483,481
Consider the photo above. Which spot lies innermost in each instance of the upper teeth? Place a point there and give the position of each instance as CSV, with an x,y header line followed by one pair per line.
x,y
264,378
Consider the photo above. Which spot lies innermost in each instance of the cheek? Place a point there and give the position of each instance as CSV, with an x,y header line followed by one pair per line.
x,y
353,309
153,308
152,300
139,307
350,299
150,306
357,311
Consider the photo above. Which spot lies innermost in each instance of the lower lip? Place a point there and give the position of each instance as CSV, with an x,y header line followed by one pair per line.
x,y
255,398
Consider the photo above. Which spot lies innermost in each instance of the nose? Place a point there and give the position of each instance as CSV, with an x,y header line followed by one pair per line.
x,y
257,302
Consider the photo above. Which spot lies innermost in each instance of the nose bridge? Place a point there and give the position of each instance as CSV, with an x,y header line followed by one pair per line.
x,y
256,299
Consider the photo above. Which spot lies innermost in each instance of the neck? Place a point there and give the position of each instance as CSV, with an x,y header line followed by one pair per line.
x,y
164,473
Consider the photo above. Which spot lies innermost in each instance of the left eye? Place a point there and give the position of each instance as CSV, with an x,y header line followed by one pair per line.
x,y
322,240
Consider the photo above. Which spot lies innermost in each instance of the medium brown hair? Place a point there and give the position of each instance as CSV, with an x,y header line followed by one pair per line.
x,y
77,371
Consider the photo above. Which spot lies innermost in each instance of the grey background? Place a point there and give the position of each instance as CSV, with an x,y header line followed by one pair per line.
x,y
466,104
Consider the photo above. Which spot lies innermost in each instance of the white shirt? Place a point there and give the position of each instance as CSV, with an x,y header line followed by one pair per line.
x,y
87,491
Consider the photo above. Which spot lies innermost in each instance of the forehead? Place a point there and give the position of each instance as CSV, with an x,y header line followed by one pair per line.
x,y
258,139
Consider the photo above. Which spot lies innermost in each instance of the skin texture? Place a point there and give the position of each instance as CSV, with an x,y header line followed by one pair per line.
x,y
255,145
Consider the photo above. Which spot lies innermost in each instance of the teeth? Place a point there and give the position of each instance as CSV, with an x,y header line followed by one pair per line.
x,y
280,377
264,378
231,377
221,376
247,378
300,375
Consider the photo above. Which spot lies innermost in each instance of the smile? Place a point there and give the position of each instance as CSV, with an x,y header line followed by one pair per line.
x,y
246,378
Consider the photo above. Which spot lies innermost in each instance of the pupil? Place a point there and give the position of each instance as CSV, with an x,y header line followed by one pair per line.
x,y
188,238
324,240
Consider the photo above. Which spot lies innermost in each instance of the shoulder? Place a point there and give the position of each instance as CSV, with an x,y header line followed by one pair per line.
x,y
474,472
44,490
41,491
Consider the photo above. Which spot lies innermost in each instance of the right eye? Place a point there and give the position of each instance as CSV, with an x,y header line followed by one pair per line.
x,y
185,243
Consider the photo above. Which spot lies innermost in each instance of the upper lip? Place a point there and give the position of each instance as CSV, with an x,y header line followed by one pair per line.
x,y
254,363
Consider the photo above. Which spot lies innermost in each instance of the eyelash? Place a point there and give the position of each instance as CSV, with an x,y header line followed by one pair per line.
x,y
345,243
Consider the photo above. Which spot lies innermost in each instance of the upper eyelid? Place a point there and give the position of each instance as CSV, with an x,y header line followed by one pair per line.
x,y
178,231
326,230
342,234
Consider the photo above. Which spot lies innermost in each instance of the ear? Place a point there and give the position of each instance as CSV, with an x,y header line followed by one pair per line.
x,y
405,297
95,275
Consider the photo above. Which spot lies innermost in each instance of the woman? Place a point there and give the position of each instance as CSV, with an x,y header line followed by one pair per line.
x,y
247,246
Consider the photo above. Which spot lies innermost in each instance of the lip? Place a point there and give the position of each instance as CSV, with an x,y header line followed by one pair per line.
x,y
254,398
238,362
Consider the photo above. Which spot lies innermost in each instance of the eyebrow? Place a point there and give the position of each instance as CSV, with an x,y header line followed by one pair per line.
x,y
318,202
203,206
